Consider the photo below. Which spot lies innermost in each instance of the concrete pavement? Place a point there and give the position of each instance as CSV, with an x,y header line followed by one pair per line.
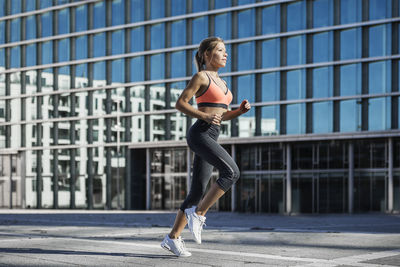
x,y
132,238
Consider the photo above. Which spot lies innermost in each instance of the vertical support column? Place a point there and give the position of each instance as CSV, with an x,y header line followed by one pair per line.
x,y
258,51
395,67
39,181
390,176
233,189
351,177
11,187
309,71
336,68
72,133
108,107
365,67
55,113
235,28
148,181
288,178
283,74
90,164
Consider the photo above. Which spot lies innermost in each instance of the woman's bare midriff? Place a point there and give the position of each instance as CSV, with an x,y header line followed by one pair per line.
x,y
212,110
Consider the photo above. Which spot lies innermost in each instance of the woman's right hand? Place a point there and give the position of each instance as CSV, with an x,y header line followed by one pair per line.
x,y
214,118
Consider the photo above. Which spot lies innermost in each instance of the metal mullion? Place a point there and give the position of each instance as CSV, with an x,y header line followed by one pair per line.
x,y
395,68
189,58
309,71
336,69
90,165
147,47
168,71
234,79
283,73
108,107
39,181
23,74
258,76
364,67
7,78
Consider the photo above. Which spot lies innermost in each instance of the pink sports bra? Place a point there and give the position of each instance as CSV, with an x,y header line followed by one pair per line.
x,y
214,96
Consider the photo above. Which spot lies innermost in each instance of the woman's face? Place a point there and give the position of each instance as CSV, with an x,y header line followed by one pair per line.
x,y
218,56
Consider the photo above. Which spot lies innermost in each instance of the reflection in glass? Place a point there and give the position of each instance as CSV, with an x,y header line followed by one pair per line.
x,y
63,50
380,40
296,50
350,43
271,19
100,14
99,73
379,77
246,90
99,47
81,18
47,52
137,7
350,79
323,117
137,69
64,78
157,67
379,113
323,47
271,53
157,9
199,29
137,39
178,64
30,28
158,36
81,47
47,24
118,41
270,121
178,33
81,75
2,29
223,26
295,16
15,30
350,116
323,13
296,84
246,58
118,71
295,118
118,14
63,21
15,57
350,11
246,21
322,82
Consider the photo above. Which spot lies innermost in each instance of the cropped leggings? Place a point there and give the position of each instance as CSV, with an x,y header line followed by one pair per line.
x,y
202,140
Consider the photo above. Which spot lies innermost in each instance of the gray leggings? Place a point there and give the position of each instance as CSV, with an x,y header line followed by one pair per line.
x,y
202,140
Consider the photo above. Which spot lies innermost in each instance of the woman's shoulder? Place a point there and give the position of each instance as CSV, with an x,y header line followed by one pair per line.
x,y
201,77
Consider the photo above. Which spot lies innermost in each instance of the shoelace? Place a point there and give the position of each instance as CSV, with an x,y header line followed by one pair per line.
x,y
202,222
181,246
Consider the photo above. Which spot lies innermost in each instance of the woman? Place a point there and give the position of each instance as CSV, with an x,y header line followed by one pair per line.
x,y
213,98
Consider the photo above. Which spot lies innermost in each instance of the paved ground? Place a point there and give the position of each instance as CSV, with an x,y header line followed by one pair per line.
x,y
119,238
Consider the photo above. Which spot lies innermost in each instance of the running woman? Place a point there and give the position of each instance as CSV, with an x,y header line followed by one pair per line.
x,y
213,98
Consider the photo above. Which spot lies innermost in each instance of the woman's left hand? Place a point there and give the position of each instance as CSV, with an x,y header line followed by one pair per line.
x,y
244,106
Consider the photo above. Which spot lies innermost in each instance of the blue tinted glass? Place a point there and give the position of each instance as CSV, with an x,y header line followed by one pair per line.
x,y
350,80
296,50
137,69
137,39
270,120
350,44
178,66
157,9
228,62
15,7
81,47
178,33
222,3
199,5
246,22
118,41
2,30
380,40
223,27
295,118
379,77
31,51
200,29
47,24
118,12
178,7
379,9
81,71
29,6
2,58
118,71
63,71
323,13
296,16
81,18
378,114
296,84
323,47
350,11
271,17
30,27
322,82
270,87
45,3
244,2
99,48
99,71
15,30
271,53
63,21
99,17
137,10
47,52
15,57
3,9
157,36
63,50
322,117
246,88
246,58
157,67
349,116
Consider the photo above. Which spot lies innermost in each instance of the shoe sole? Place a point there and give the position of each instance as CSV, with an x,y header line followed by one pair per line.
x,y
167,249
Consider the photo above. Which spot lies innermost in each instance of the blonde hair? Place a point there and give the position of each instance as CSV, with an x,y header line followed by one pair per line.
x,y
207,45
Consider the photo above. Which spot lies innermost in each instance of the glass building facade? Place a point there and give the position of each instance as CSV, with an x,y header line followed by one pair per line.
x,y
88,88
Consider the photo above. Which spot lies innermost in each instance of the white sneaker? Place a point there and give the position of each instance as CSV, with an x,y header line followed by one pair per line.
x,y
195,223
176,246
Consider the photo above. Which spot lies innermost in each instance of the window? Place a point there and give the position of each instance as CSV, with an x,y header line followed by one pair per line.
x,y
271,19
350,11
199,29
158,36
223,26
296,20
323,47
137,39
271,53
63,21
246,56
246,23
323,13
178,33
296,50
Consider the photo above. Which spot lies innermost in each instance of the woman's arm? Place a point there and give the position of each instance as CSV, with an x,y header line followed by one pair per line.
x,y
231,114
